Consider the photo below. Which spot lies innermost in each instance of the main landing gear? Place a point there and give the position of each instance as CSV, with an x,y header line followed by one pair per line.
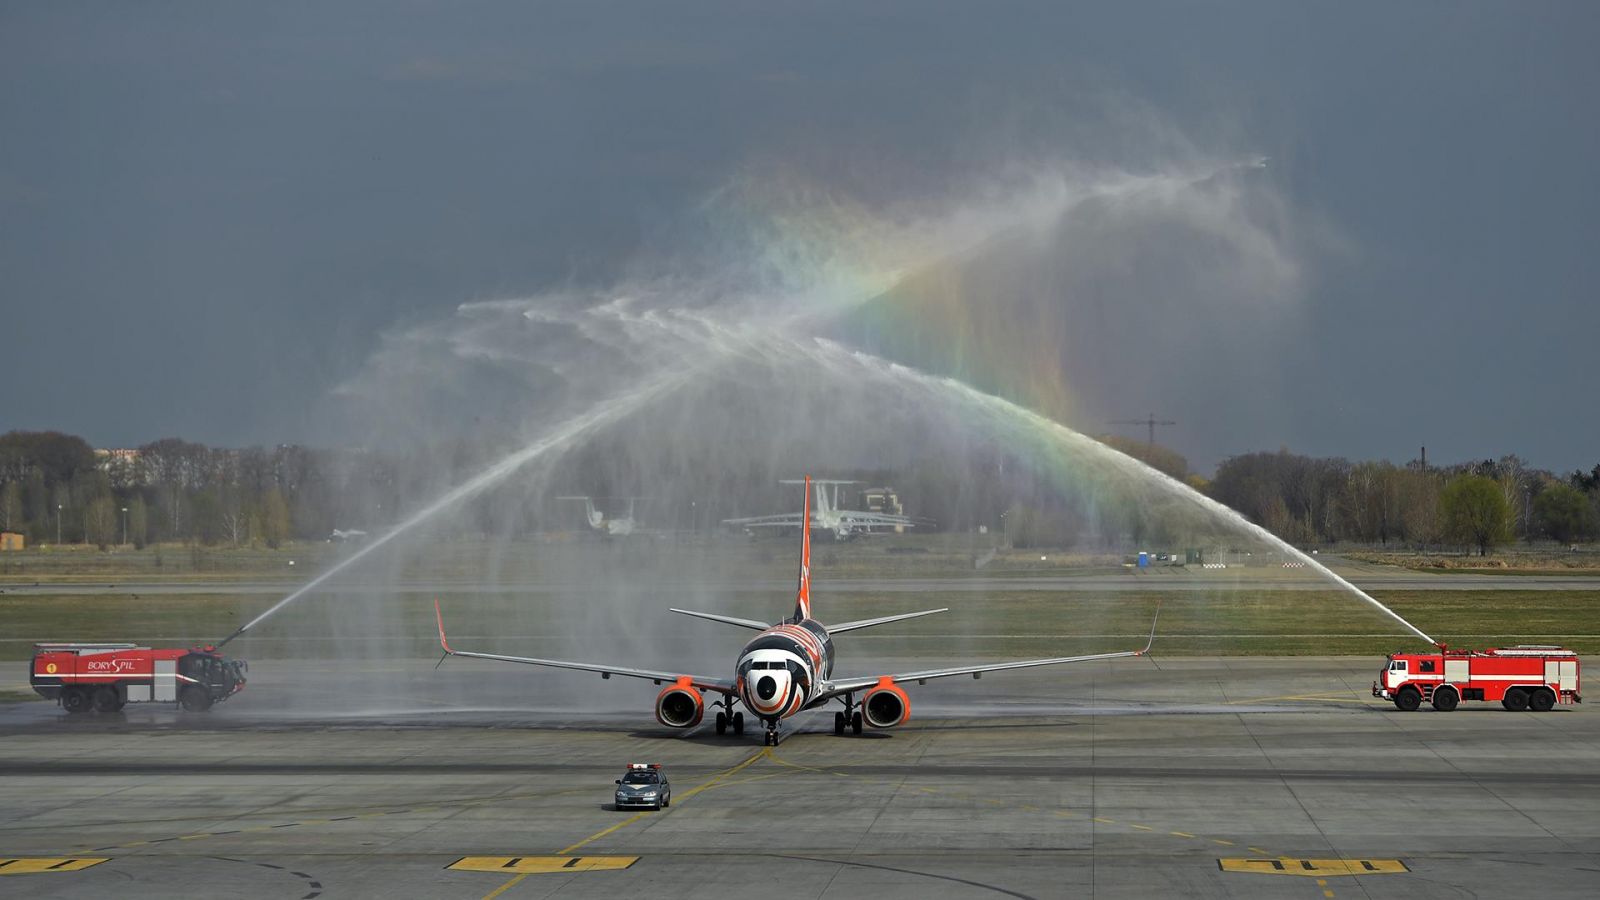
x,y
851,717
726,718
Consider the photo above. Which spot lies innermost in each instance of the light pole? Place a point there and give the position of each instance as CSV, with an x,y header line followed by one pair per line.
x,y
1005,527
124,526
58,523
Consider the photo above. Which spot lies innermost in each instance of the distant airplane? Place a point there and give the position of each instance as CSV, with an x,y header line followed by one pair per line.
x,y
786,669
613,526
843,523
340,536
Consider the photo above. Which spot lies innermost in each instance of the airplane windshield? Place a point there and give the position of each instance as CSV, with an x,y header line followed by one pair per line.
x,y
639,778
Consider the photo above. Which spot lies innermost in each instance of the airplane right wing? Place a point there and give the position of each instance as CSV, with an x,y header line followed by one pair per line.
x,y
704,684
850,685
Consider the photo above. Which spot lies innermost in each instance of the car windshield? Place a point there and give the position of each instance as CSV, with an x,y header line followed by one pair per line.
x,y
639,778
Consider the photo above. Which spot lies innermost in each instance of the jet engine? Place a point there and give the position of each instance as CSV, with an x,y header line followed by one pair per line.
x,y
680,706
885,706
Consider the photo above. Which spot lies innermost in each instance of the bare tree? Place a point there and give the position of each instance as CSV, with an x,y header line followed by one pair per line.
x,y
100,521
10,506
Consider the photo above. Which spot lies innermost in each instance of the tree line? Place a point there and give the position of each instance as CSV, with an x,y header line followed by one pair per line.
x,y
56,487
1481,505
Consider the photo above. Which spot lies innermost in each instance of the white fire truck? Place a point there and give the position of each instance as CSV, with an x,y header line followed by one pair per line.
x,y
1527,676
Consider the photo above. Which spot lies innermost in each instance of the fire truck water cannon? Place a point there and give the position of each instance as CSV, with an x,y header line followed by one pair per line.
x,y
1527,676
106,677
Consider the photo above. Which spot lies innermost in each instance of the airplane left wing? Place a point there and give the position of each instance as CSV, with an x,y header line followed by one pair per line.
x,y
850,685
605,671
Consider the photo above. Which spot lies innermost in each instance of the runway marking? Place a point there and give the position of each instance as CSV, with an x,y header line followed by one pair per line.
x,y
535,865
1316,868
23,865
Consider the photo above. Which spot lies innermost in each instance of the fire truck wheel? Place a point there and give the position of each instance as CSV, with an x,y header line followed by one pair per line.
x,y
1515,700
1446,699
75,700
195,699
1542,700
105,700
1408,699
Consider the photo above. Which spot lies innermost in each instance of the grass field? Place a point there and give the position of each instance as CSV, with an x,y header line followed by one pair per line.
x,y
1580,560
998,624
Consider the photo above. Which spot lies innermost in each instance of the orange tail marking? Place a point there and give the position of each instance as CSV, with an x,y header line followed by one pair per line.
x,y
803,597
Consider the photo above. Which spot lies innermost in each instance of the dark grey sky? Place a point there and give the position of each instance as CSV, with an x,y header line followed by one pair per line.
x,y
210,212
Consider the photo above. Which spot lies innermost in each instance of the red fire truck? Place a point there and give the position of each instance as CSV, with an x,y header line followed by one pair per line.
x,y
1527,676
104,677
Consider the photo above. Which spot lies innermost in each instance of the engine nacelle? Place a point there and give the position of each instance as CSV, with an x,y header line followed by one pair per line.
x,y
680,706
885,706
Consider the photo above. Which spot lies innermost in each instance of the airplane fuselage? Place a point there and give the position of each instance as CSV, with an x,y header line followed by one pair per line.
x,y
781,669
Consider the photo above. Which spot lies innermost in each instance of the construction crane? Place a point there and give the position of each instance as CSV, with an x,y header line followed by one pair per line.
x,y
1151,422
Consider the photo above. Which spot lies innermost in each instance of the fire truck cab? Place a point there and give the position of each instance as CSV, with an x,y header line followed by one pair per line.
x,y
105,677
1527,676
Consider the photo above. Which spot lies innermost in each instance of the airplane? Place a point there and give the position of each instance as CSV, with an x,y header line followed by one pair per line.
x,y
844,523
340,535
786,669
610,526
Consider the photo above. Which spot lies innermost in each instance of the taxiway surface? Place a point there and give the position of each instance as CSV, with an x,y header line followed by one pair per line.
x,y
1129,778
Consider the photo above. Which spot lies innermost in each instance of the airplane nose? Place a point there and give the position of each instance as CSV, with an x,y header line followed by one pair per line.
x,y
766,687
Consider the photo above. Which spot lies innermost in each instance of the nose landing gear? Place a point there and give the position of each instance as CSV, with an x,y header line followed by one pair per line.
x,y
771,739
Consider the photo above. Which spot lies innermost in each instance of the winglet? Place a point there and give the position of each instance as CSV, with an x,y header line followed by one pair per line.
x,y
439,615
1148,644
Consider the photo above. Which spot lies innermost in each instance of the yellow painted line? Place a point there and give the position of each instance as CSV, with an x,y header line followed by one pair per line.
x,y
1327,893
1259,850
1222,842
23,865
602,833
566,851
1105,821
1142,827
515,880
538,865
1181,834
687,795
1316,868
193,837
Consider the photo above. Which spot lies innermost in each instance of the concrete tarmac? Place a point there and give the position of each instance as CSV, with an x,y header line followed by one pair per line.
x,y
1126,778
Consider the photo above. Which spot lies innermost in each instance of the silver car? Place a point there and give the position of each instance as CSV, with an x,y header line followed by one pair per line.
x,y
644,785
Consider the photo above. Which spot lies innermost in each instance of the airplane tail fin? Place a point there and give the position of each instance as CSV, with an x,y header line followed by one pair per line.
x,y
802,600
